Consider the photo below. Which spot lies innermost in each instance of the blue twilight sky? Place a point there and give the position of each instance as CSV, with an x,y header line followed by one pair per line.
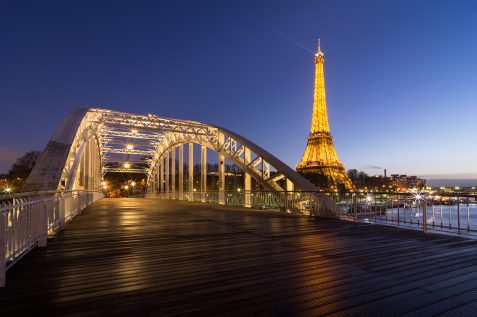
x,y
401,76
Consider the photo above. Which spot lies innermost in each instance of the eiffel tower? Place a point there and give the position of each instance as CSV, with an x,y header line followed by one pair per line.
x,y
320,163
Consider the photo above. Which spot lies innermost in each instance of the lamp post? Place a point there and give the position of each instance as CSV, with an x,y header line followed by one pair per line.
x,y
133,184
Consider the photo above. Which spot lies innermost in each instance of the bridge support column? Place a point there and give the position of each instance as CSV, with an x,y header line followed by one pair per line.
x,y
87,164
181,172
168,178
97,166
290,186
221,179
289,196
173,172
90,173
161,176
220,143
203,175
152,183
82,168
157,177
191,171
247,180
91,165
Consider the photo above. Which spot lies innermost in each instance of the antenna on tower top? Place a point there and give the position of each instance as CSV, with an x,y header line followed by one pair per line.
x,y
319,49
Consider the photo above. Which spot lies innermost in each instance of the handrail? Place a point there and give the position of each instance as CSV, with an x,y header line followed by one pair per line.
x,y
448,213
26,220
23,194
296,202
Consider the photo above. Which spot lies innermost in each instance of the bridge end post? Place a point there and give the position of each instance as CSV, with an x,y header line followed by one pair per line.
x,y
43,227
61,212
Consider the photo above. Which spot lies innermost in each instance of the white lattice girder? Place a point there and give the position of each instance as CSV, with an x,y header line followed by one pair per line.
x,y
134,161
126,151
124,170
105,132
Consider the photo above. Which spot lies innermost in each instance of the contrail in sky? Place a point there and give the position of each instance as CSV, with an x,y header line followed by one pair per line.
x,y
286,37
374,167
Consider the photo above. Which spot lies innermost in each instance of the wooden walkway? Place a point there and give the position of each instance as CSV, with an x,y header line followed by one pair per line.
x,y
145,257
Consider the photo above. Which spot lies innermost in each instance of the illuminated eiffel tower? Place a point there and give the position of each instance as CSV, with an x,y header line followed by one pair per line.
x,y
320,163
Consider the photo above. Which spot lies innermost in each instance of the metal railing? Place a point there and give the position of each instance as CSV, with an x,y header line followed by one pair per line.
x,y
296,202
26,220
444,213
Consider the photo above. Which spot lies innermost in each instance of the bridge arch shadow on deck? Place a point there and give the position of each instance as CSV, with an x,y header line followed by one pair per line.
x,y
145,256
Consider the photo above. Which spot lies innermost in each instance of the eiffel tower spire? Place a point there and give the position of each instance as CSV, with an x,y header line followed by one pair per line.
x,y
320,163
319,121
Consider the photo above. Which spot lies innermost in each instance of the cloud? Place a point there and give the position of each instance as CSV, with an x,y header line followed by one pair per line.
x,y
374,167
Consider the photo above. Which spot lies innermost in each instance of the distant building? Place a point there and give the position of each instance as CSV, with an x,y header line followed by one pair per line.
x,y
404,181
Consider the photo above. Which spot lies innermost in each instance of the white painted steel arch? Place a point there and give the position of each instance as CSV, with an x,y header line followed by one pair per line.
x,y
72,157
92,142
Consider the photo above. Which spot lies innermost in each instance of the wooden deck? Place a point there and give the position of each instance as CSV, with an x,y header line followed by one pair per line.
x,y
159,258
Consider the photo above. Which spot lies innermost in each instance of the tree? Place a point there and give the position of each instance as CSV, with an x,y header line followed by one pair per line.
x,y
23,166
359,178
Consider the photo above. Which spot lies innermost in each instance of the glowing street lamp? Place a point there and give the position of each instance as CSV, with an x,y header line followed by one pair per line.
x,y
134,131
8,190
127,165
133,184
129,146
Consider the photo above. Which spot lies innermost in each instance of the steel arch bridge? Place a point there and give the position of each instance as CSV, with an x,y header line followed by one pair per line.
x,y
92,142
